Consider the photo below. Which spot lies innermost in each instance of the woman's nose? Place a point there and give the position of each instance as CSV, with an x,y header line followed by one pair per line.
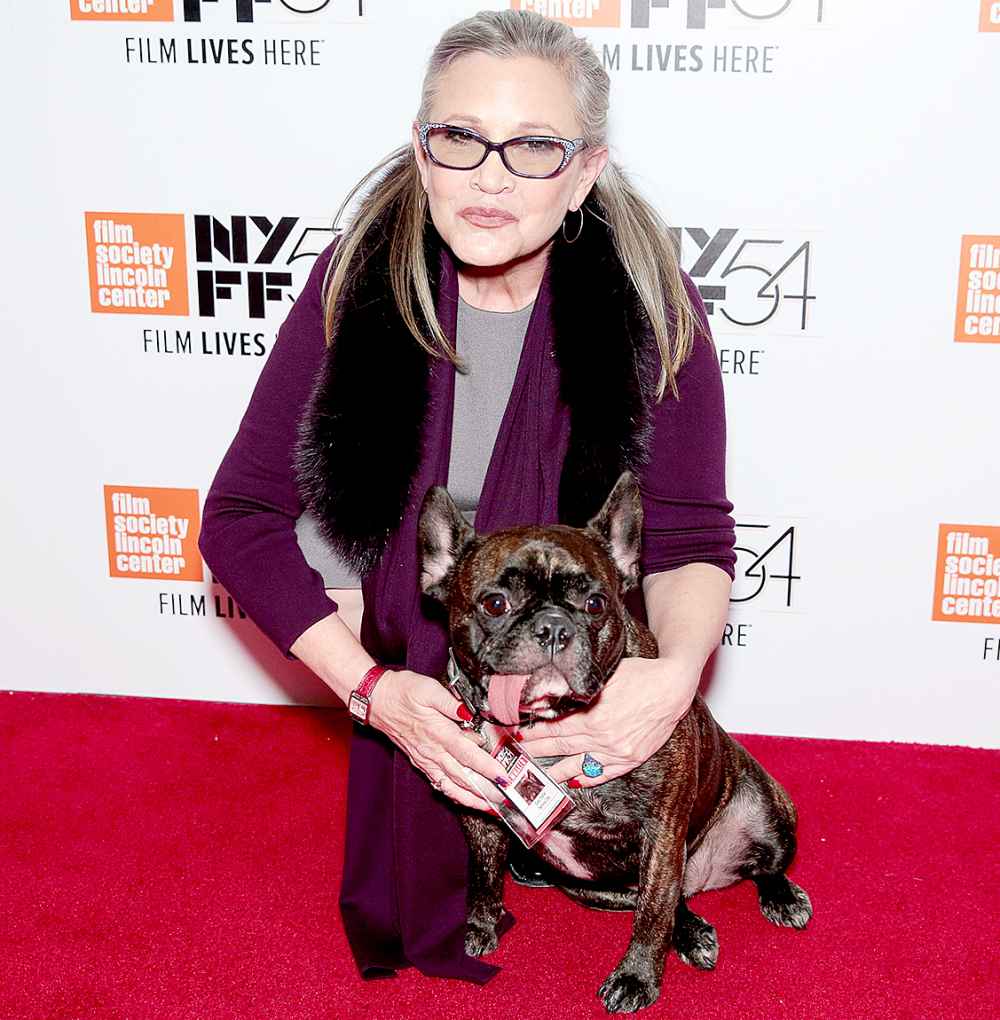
x,y
492,175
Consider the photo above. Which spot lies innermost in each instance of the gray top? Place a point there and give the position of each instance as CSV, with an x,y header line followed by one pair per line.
x,y
490,343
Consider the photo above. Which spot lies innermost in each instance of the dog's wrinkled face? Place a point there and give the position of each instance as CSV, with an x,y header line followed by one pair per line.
x,y
540,602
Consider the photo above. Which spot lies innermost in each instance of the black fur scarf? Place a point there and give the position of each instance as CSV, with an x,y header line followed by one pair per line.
x,y
359,439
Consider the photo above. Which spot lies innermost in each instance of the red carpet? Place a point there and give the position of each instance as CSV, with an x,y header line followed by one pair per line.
x,y
180,860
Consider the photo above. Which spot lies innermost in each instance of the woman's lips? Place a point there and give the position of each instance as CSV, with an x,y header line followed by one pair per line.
x,y
487,218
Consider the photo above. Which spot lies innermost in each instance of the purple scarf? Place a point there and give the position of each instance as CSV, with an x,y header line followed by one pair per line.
x,y
403,894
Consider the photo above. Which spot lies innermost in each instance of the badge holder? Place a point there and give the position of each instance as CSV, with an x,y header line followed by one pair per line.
x,y
533,802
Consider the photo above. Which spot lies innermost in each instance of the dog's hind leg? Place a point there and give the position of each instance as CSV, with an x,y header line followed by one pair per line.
x,y
694,938
782,902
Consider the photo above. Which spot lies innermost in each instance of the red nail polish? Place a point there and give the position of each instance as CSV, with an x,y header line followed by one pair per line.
x,y
464,713
574,784
518,735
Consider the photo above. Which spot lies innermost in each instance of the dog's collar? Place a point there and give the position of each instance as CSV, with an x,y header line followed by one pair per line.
x,y
461,686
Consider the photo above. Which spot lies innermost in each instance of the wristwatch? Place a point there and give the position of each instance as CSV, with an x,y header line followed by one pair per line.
x,y
358,704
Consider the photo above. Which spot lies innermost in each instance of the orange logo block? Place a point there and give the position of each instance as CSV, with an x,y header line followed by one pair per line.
x,y
138,263
967,582
977,316
121,10
153,532
582,13
989,16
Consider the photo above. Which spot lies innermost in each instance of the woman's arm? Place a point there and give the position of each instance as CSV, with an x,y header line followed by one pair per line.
x,y
687,610
247,533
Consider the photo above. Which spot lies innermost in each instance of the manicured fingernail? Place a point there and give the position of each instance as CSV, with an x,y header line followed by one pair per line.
x,y
574,784
464,713
501,782
518,735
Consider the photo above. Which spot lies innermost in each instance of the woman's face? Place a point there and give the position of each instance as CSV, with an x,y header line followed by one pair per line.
x,y
502,98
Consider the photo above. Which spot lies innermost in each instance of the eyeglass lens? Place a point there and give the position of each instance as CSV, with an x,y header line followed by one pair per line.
x,y
461,151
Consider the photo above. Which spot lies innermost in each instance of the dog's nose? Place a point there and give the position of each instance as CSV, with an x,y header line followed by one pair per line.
x,y
553,629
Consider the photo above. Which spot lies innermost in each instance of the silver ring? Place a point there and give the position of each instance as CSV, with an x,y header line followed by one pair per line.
x,y
437,784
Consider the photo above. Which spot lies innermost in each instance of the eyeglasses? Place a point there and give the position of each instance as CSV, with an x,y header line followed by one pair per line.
x,y
460,148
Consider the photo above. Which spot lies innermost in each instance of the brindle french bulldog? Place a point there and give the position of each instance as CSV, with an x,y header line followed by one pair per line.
x,y
699,814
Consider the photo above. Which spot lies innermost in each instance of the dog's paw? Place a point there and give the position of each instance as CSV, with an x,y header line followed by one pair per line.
x,y
785,903
625,991
480,939
696,942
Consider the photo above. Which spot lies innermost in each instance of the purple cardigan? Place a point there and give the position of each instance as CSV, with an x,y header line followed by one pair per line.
x,y
403,895
248,534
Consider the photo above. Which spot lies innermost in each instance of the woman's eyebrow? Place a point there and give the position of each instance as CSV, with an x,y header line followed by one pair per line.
x,y
524,125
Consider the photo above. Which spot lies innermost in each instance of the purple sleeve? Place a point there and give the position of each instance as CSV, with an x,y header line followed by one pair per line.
x,y
683,485
248,534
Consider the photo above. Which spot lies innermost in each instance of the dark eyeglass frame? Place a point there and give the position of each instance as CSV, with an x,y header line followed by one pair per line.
x,y
570,147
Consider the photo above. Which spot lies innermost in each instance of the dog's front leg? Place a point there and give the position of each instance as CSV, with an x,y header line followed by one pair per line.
x,y
489,843
635,982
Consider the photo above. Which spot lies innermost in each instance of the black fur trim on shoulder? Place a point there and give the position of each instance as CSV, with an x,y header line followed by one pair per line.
x,y
359,443
606,350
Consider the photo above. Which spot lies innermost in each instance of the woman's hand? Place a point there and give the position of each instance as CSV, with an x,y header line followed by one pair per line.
x,y
631,719
419,715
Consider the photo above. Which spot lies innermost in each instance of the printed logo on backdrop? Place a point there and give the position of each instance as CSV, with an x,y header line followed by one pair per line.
x,y
967,575
989,17
225,12
153,533
137,263
244,268
121,10
768,572
641,43
977,316
297,51
756,284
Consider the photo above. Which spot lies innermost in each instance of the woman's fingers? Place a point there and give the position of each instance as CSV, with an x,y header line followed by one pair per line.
x,y
446,703
450,767
570,771
576,743
564,770
447,786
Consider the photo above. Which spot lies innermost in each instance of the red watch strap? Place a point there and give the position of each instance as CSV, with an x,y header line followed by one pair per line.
x,y
369,680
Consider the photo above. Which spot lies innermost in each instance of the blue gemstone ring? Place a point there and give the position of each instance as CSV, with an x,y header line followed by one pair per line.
x,y
592,768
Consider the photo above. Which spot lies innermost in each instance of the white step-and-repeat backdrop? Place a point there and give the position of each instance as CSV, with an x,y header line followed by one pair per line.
x,y
833,166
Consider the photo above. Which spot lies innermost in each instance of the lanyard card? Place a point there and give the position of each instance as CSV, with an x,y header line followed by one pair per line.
x,y
533,802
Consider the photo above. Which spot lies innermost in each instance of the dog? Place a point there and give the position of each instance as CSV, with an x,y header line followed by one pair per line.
x,y
545,604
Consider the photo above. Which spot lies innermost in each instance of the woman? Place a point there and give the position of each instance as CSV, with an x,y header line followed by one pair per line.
x,y
599,358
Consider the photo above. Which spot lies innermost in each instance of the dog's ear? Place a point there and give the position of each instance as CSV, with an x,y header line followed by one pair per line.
x,y
619,523
442,534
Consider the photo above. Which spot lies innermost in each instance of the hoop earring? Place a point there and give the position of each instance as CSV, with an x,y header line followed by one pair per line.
x,y
579,231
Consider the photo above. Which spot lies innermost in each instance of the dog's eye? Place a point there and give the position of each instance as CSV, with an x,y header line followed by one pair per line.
x,y
595,603
494,605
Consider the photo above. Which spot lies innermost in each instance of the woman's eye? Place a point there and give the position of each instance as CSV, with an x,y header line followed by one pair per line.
x,y
494,605
595,604
456,137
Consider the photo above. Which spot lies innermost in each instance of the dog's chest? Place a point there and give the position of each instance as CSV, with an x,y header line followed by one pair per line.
x,y
592,843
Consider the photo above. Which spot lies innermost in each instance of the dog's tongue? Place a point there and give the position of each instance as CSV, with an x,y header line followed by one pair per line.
x,y
504,696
